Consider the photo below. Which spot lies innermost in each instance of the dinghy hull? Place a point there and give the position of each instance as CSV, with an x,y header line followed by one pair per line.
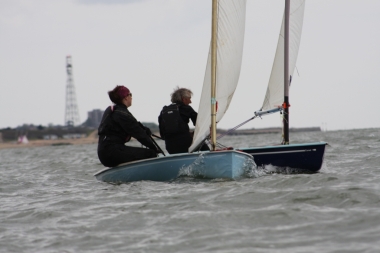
x,y
302,158
223,164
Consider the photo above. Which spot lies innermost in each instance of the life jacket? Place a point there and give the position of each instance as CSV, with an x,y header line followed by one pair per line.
x,y
171,121
109,128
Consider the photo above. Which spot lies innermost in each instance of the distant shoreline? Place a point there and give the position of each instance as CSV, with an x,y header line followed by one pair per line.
x,y
90,139
93,137
269,130
41,143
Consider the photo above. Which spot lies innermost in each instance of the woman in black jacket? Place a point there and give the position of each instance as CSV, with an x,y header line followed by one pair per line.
x,y
117,127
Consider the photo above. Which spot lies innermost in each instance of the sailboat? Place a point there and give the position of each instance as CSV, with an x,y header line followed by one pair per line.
x,y
221,78
299,158
22,139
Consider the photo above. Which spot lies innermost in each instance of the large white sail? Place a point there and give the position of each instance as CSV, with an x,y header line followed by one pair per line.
x,y
275,92
230,40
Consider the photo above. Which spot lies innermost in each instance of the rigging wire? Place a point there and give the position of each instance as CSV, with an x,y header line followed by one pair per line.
x,y
257,114
221,146
236,127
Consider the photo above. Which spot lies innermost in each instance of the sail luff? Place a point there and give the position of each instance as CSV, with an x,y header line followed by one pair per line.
x,y
214,45
274,96
285,105
230,40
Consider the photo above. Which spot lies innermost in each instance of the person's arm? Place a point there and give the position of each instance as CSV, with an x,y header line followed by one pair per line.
x,y
132,127
160,126
192,115
188,113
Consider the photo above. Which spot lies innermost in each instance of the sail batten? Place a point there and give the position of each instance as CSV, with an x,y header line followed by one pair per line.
x,y
230,40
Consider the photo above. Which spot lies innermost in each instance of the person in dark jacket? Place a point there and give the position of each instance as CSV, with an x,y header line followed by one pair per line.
x,y
117,127
173,122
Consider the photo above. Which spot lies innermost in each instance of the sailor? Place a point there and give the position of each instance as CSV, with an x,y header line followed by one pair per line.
x,y
117,127
174,119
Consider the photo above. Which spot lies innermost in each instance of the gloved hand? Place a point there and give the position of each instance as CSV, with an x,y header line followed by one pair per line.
x,y
156,151
147,131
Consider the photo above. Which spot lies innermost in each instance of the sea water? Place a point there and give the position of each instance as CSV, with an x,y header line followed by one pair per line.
x,y
51,202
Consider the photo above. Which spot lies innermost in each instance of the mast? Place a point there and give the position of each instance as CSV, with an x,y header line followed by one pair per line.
x,y
285,105
213,71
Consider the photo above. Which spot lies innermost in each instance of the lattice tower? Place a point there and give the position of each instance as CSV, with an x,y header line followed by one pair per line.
x,y
72,112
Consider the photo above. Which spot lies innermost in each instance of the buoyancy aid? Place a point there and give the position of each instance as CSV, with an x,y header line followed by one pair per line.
x,y
171,121
109,128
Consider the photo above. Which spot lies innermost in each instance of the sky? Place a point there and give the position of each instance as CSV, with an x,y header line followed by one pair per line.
x,y
152,46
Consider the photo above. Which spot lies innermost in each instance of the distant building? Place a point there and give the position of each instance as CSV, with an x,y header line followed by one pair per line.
x,y
73,136
50,137
94,118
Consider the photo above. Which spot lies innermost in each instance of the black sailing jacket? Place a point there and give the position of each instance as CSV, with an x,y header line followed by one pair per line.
x,y
120,125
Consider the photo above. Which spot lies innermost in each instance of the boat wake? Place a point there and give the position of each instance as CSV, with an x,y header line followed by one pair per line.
x,y
271,169
251,170
195,170
198,169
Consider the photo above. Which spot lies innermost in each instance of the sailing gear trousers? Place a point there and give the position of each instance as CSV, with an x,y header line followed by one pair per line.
x,y
180,143
113,154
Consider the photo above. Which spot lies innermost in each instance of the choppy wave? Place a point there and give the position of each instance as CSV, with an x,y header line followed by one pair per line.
x,y
51,202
